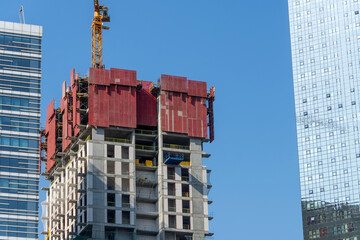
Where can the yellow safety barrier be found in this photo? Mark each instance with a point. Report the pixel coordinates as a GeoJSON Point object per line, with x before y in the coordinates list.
{"type": "Point", "coordinates": [148, 163]}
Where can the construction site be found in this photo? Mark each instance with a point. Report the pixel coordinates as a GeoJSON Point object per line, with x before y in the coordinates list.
{"type": "Point", "coordinates": [124, 157]}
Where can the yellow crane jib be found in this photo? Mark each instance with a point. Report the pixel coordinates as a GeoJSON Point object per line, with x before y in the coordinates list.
{"type": "Point", "coordinates": [100, 16]}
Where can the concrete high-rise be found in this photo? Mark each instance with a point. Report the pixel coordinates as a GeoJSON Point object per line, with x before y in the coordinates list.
{"type": "Point", "coordinates": [125, 158]}
{"type": "Point", "coordinates": [325, 42]}
{"type": "Point", "coordinates": [20, 75]}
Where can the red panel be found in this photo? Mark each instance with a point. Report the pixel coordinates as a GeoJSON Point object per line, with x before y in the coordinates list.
{"type": "Point", "coordinates": [76, 114]}
{"type": "Point", "coordinates": [72, 77]}
{"type": "Point", "coordinates": [174, 112]}
{"type": "Point", "coordinates": [50, 111]}
{"type": "Point", "coordinates": [197, 88]}
{"type": "Point", "coordinates": [66, 126]}
{"type": "Point", "coordinates": [51, 144]}
{"type": "Point", "coordinates": [146, 110]}
{"type": "Point", "coordinates": [122, 110]}
{"type": "Point", "coordinates": [197, 117]}
{"type": "Point", "coordinates": [99, 76]}
{"type": "Point", "coordinates": [123, 77]}
{"type": "Point", "coordinates": [98, 106]}
{"type": "Point", "coordinates": [40, 151]}
{"type": "Point", "coordinates": [174, 83]}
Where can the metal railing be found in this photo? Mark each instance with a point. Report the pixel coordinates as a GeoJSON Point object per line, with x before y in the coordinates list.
{"type": "Point", "coordinates": [145, 132]}
{"type": "Point", "coordinates": [186, 226]}
{"type": "Point", "coordinates": [185, 178]}
{"type": "Point", "coordinates": [125, 205]}
{"type": "Point", "coordinates": [145, 148]}
{"type": "Point", "coordinates": [172, 209]}
{"type": "Point", "coordinates": [186, 194]}
{"type": "Point", "coordinates": [175, 146]}
{"type": "Point", "coordinates": [118, 140]}
{"type": "Point", "coordinates": [186, 210]}
{"type": "Point", "coordinates": [171, 176]}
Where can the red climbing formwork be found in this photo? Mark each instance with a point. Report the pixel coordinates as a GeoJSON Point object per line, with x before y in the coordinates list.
{"type": "Point", "coordinates": [174, 112]}
{"type": "Point", "coordinates": [122, 106]}
{"type": "Point", "coordinates": [146, 109]}
{"type": "Point", "coordinates": [51, 143]}
{"type": "Point", "coordinates": [98, 106]}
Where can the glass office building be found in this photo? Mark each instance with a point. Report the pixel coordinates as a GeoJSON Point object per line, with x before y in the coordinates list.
{"type": "Point", "coordinates": [20, 74]}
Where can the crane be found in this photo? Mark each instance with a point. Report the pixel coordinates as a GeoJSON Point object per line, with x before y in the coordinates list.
{"type": "Point", "coordinates": [100, 16]}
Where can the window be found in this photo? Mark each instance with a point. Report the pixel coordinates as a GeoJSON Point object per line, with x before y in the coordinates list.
{"type": "Point", "coordinates": [186, 222]}
{"type": "Point", "coordinates": [111, 183]}
{"type": "Point", "coordinates": [125, 200]}
{"type": "Point", "coordinates": [171, 173]}
{"type": "Point", "coordinates": [125, 168]}
{"type": "Point", "coordinates": [125, 185]}
{"type": "Point", "coordinates": [125, 217]}
{"type": "Point", "coordinates": [172, 221]}
{"type": "Point", "coordinates": [185, 190]}
{"type": "Point", "coordinates": [186, 206]}
{"type": "Point", "coordinates": [111, 216]}
{"type": "Point", "coordinates": [185, 174]}
{"type": "Point", "coordinates": [110, 167]}
{"type": "Point", "coordinates": [125, 152]}
{"type": "Point", "coordinates": [110, 151]}
{"type": "Point", "coordinates": [340, 105]}
{"type": "Point", "coordinates": [171, 205]}
{"type": "Point", "coordinates": [171, 189]}
{"type": "Point", "coordinates": [111, 199]}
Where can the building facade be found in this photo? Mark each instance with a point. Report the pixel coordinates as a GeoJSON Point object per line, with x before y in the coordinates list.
{"type": "Point", "coordinates": [325, 42]}
{"type": "Point", "coordinates": [20, 75]}
{"type": "Point", "coordinates": [125, 158]}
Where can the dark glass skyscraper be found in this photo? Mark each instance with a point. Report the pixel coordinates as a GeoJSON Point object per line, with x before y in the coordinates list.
{"type": "Point", "coordinates": [20, 75]}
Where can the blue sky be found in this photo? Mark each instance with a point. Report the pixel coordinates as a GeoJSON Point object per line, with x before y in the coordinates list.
{"type": "Point", "coordinates": [241, 47]}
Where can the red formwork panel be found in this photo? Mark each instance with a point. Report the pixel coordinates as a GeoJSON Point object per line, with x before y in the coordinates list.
{"type": "Point", "coordinates": [146, 109]}
{"type": "Point", "coordinates": [99, 76]}
{"type": "Point", "coordinates": [174, 112]}
{"type": "Point", "coordinates": [76, 114]}
{"type": "Point", "coordinates": [72, 77]}
{"type": "Point", "coordinates": [122, 106]}
{"type": "Point", "coordinates": [51, 144]}
{"type": "Point", "coordinates": [123, 77]}
{"type": "Point", "coordinates": [40, 151]}
{"type": "Point", "coordinates": [99, 106]}
{"type": "Point", "coordinates": [66, 125]}
{"type": "Point", "coordinates": [197, 88]}
{"type": "Point", "coordinates": [50, 111]}
{"type": "Point", "coordinates": [174, 83]}
{"type": "Point", "coordinates": [197, 117]}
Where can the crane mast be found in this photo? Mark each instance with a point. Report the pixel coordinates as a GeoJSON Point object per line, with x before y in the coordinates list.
{"type": "Point", "coordinates": [100, 16]}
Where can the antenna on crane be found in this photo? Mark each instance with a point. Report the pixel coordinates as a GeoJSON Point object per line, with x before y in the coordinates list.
{"type": "Point", "coordinates": [100, 16]}
{"type": "Point", "coordinates": [21, 11]}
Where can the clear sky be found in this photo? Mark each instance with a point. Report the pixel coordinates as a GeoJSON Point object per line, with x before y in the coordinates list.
{"type": "Point", "coordinates": [243, 48]}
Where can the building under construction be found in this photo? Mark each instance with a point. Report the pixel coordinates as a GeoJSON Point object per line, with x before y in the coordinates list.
{"type": "Point", "coordinates": [125, 158]}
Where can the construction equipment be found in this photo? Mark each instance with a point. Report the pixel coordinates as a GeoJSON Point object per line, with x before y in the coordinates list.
{"type": "Point", "coordinates": [100, 16]}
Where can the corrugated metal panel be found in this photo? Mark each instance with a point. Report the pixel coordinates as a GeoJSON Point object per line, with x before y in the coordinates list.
{"type": "Point", "coordinates": [197, 117]}
{"type": "Point", "coordinates": [197, 88]}
{"type": "Point", "coordinates": [122, 110]}
{"type": "Point", "coordinates": [51, 144]}
{"type": "Point", "coordinates": [76, 114]}
{"type": "Point", "coordinates": [99, 76]}
{"type": "Point", "coordinates": [146, 110]}
{"type": "Point", "coordinates": [98, 106]}
{"type": "Point", "coordinates": [174, 112]}
{"type": "Point", "coordinates": [174, 83]}
{"type": "Point", "coordinates": [123, 77]}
